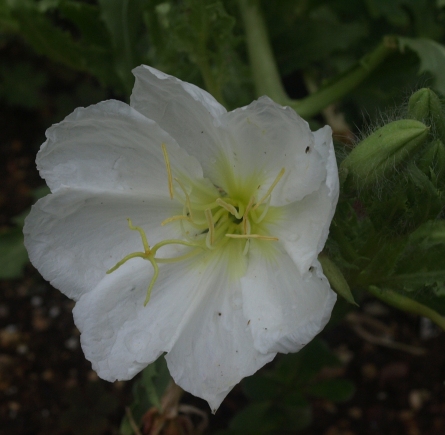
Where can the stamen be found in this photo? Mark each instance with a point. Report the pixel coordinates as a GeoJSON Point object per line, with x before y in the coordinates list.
{"type": "Point", "coordinates": [211, 234]}
{"type": "Point", "coordinates": [175, 218]}
{"type": "Point", "coordinates": [173, 242]}
{"type": "Point", "coordinates": [256, 219]}
{"type": "Point", "coordinates": [230, 208]}
{"type": "Point", "coordinates": [252, 236]}
{"type": "Point", "coordinates": [246, 222]}
{"type": "Point", "coordinates": [169, 171]}
{"type": "Point", "coordinates": [187, 198]}
{"type": "Point", "coordinates": [272, 187]}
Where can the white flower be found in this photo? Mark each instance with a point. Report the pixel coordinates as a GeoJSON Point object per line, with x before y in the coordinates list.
{"type": "Point", "coordinates": [235, 208]}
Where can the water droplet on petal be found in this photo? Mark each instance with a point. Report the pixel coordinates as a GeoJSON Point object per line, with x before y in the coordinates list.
{"type": "Point", "coordinates": [136, 341]}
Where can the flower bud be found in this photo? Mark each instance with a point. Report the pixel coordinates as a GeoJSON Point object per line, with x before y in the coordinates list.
{"type": "Point", "coordinates": [378, 154]}
{"type": "Point", "coordinates": [425, 106]}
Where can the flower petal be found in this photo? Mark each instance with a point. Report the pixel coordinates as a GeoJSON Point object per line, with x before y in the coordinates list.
{"type": "Point", "coordinates": [120, 336]}
{"type": "Point", "coordinates": [266, 137]}
{"type": "Point", "coordinates": [215, 350]}
{"type": "Point", "coordinates": [73, 237]}
{"type": "Point", "coordinates": [285, 310]}
{"type": "Point", "coordinates": [185, 111]}
{"type": "Point", "coordinates": [303, 227]}
{"type": "Point", "coordinates": [324, 145]}
{"type": "Point", "coordinates": [110, 146]}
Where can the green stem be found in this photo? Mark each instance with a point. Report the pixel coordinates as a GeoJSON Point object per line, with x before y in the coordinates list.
{"type": "Point", "coordinates": [346, 82]}
{"type": "Point", "coordinates": [407, 304]}
{"type": "Point", "coordinates": [209, 80]}
{"type": "Point", "coordinates": [267, 78]}
{"type": "Point", "coordinates": [264, 69]}
{"type": "Point", "coordinates": [202, 57]}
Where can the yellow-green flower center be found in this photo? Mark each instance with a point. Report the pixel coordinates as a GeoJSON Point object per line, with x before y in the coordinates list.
{"type": "Point", "coordinates": [211, 219]}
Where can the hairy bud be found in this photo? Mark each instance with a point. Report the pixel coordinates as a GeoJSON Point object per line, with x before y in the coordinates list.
{"type": "Point", "coordinates": [378, 154]}
{"type": "Point", "coordinates": [425, 106]}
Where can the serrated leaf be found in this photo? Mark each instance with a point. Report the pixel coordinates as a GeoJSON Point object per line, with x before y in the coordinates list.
{"type": "Point", "coordinates": [432, 58]}
{"type": "Point", "coordinates": [431, 233]}
{"type": "Point", "coordinates": [47, 39]}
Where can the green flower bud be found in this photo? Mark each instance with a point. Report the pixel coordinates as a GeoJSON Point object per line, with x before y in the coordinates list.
{"type": "Point", "coordinates": [377, 155]}
{"type": "Point", "coordinates": [425, 106]}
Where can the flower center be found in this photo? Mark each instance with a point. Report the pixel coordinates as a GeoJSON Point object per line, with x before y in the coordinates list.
{"type": "Point", "coordinates": [210, 220]}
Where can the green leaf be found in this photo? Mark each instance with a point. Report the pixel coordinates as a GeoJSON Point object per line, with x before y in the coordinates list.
{"type": "Point", "coordinates": [47, 39]}
{"type": "Point", "coordinates": [155, 379]}
{"type": "Point", "coordinates": [86, 18]}
{"type": "Point", "coordinates": [256, 418]}
{"type": "Point", "coordinates": [123, 20]}
{"type": "Point", "coordinates": [261, 387]}
{"type": "Point", "coordinates": [147, 392]}
{"type": "Point", "coordinates": [13, 255]}
{"type": "Point", "coordinates": [304, 365]}
{"type": "Point", "coordinates": [431, 233]}
{"type": "Point", "coordinates": [336, 279]}
{"type": "Point", "coordinates": [432, 58]}
{"type": "Point", "coordinates": [336, 390]}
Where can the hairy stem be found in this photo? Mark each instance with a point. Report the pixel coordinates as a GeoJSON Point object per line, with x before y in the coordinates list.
{"type": "Point", "coordinates": [407, 304]}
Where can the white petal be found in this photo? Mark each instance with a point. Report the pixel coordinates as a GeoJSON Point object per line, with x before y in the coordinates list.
{"type": "Point", "coordinates": [303, 226]}
{"type": "Point", "coordinates": [286, 310]}
{"type": "Point", "coordinates": [110, 146]}
{"type": "Point", "coordinates": [73, 237]}
{"type": "Point", "coordinates": [324, 145]}
{"type": "Point", "coordinates": [215, 349]}
{"type": "Point", "coordinates": [194, 314]}
{"type": "Point", "coordinates": [118, 334]}
{"type": "Point", "coordinates": [185, 111]}
{"type": "Point", "coordinates": [265, 138]}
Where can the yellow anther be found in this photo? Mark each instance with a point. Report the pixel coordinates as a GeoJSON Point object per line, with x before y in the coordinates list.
{"type": "Point", "coordinates": [175, 218]}
{"type": "Point", "coordinates": [252, 236]}
{"type": "Point", "coordinates": [269, 191]}
{"type": "Point", "coordinates": [169, 170]}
